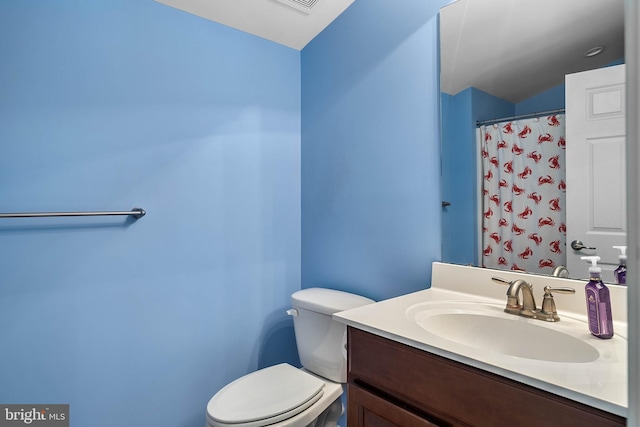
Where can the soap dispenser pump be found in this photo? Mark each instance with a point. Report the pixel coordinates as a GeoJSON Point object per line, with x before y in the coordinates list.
{"type": "Point", "coordinates": [598, 301]}
{"type": "Point", "coordinates": [621, 272]}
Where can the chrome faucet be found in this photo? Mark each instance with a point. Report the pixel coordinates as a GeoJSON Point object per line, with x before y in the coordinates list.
{"type": "Point", "coordinates": [560, 271]}
{"type": "Point", "coordinates": [528, 307]}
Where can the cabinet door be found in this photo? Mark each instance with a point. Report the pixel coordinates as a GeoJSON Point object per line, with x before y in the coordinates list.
{"type": "Point", "coordinates": [368, 410]}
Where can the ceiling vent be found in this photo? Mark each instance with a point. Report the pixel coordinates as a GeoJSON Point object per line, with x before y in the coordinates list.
{"type": "Point", "coordinates": [301, 5]}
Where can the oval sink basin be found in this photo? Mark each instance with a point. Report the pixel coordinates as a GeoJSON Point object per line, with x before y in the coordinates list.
{"type": "Point", "coordinates": [486, 327]}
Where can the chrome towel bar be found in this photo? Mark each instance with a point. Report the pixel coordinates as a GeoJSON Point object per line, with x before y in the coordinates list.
{"type": "Point", "coordinates": [135, 212]}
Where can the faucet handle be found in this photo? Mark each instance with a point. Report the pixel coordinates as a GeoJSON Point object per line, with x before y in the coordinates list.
{"type": "Point", "coordinates": [549, 289]}
{"type": "Point", "coordinates": [548, 311]}
{"type": "Point", "coordinates": [501, 280]}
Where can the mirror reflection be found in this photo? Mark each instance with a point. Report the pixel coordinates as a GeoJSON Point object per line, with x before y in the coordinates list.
{"type": "Point", "coordinates": [517, 185]}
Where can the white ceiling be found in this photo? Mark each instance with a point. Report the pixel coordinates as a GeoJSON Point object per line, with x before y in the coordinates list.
{"type": "Point", "coordinates": [514, 49]}
{"type": "Point", "coordinates": [292, 23]}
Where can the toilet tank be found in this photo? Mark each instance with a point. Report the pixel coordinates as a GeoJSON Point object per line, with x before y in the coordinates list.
{"type": "Point", "coordinates": [322, 341]}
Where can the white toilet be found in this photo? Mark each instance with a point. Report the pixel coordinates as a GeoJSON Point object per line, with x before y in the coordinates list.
{"type": "Point", "coordinates": [285, 396]}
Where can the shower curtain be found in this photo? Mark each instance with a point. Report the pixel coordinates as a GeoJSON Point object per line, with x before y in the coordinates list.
{"type": "Point", "coordinates": [524, 194]}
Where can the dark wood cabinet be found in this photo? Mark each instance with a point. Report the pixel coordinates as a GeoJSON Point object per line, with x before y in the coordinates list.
{"type": "Point", "coordinates": [371, 410]}
{"type": "Point", "coordinates": [392, 384]}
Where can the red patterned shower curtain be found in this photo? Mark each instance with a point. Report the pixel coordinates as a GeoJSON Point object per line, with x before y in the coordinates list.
{"type": "Point", "coordinates": [524, 194]}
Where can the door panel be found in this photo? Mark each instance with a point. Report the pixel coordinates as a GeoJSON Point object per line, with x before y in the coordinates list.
{"type": "Point", "coordinates": [595, 156]}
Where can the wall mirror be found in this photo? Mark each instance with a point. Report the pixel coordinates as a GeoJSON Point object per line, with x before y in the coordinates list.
{"type": "Point", "coordinates": [503, 68]}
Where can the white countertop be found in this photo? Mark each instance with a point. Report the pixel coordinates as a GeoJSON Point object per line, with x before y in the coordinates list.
{"type": "Point", "coordinates": [601, 383]}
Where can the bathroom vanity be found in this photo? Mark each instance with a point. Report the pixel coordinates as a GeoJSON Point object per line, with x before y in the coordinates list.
{"type": "Point", "coordinates": [401, 372]}
{"type": "Point", "coordinates": [392, 384]}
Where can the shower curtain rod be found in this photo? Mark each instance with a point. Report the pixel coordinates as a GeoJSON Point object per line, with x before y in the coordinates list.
{"type": "Point", "coordinates": [521, 116]}
{"type": "Point", "coordinates": [135, 212]}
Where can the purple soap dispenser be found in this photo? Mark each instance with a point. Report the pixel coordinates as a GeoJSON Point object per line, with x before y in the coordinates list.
{"type": "Point", "coordinates": [621, 272]}
{"type": "Point", "coordinates": [598, 301]}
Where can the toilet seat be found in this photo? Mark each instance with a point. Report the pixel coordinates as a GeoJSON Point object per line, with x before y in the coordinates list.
{"type": "Point", "coordinates": [265, 397]}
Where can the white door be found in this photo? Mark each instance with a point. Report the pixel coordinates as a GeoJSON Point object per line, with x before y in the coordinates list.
{"type": "Point", "coordinates": [595, 156]}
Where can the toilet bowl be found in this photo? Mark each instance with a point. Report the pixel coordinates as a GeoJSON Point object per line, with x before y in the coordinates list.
{"type": "Point", "coordinates": [283, 395]}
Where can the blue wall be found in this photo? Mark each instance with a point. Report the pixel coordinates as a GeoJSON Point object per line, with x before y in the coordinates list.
{"type": "Point", "coordinates": [370, 150]}
{"type": "Point", "coordinates": [458, 165]}
{"type": "Point", "coordinates": [111, 104]}
{"type": "Point", "coordinates": [552, 99]}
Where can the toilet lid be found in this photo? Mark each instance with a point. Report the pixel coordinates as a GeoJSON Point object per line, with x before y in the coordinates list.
{"type": "Point", "coordinates": [275, 393]}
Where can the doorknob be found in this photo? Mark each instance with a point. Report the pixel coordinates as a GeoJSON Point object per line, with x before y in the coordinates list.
{"type": "Point", "coordinates": [577, 245]}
